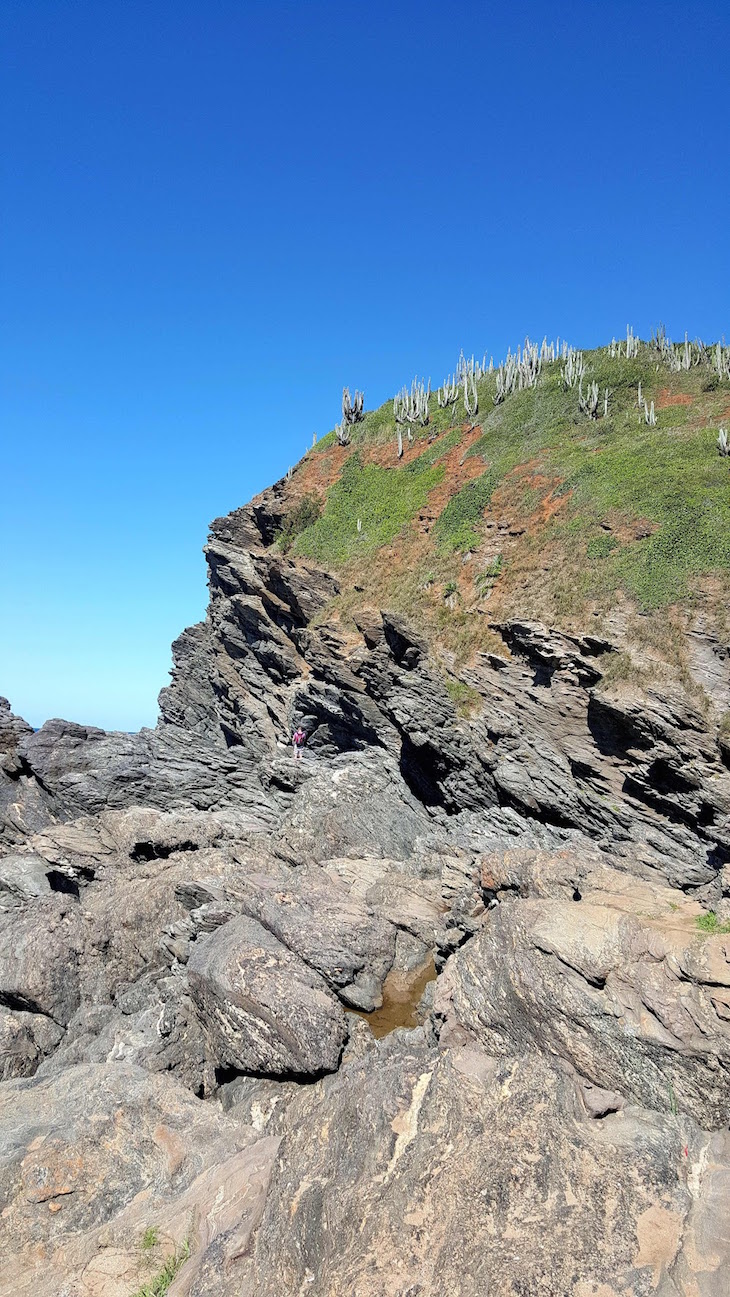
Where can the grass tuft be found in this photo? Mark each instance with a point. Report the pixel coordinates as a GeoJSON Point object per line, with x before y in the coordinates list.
{"type": "Point", "coordinates": [710, 923]}
{"type": "Point", "coordinates": [160, 1283]}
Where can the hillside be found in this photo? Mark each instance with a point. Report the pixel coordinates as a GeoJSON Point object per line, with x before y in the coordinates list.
{"type": "Point", "coordinates": [530, 507]}
{"type": "Point", "coordinates": [443, 1007]}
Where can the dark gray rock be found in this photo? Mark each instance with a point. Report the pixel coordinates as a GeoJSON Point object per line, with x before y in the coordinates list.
{"type": "Point", "coordinates": [334, 933]}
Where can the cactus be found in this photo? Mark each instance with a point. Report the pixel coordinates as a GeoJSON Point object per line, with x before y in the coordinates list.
{"type": "Point", "coordinates": [352, 411]}
{"type": "Point", "coordinates": [471, 398]}
{"type": "Point", "coordinates": [723, 443]}
{"type": "Point", "coordinates": [588, 401]}
{"type": "Point", "coordinates": [314, 439]}
{"type": "Point", "coordinates": [632, 344]}
{"type": "Point", "coordinates": [605, 404]}
{"type": "Point", "coordinates": [412, 407]}
{"type": "Point", "coordinates": [448, 394]}
{"type": "Point", "coordinates": [342, 434]}
{"type": "Point", "coordinates": [400, 444]}
{"type": "Point", "coordinates": [359, 526]}
{"type": "Point", "coordinates": [289, 473]}
{"type": "Point", "coordinates": [640, 399]}
{"type": "Point", "coordinates": [721, 361]}
{"type": "Point", "coordinates": [650, 415]}
{"type": "Point", "coordinates": [574, 368]}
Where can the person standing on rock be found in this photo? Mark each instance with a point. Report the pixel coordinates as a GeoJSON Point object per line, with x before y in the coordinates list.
{"type": "Point", "coordinates": [298, 739]}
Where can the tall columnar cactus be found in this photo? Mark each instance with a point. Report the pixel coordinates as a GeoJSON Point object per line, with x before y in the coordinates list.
{"type": "Point", "coordinates": [721, 361]}
{"type": "Point", "coordinates": [588, 401]}
{"type": "Point", "coordinates": [352, 411]}
{"type": "Point", "coordinates": [342, 434]}
{"type": "Point", "coordinates": [400, 444]}
{"type": "Point", "coordinates": [573, 369]}
{"type": "Point", "coordinates": [448, 394]}
{"type": "Point", "coordinates": [723, 443]}
{"type": "Point", "coordinates": [650, 415]}
{"type": "Point", "coordinates": [632, 344]}
{"type": "Point", "coordinates": [471, 397]}
{"type": "Point", "coordinates": [412, 407]}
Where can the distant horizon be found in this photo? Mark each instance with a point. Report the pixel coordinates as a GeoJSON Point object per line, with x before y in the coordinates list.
{"type": "Point", "coordinates": [220, 215]}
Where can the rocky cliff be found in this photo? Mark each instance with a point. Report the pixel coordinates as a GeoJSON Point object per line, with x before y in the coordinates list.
{"type": "Point", "coordinates": [442, 1008]}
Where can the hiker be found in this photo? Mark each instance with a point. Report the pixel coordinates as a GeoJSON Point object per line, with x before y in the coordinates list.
{"type": "Point", "coordinates": [298, 739]}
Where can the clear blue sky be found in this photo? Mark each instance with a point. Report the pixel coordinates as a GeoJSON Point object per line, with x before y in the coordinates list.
{"type": "Point", "coordinates": [216, 213]}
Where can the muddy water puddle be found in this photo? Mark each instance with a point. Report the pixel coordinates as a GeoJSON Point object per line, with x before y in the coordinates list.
{"type": "Point", "coordinates": [401, 996]}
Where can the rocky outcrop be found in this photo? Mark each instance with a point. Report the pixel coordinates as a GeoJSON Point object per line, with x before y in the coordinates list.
{"type": "Point", "coordinates": [107, 1172]}
{"type": "Point", "coordinates": [620, 983]}
{"type": "Point", "coordinates": [419, 1171]}
{"type": "Point", "coordinates": [190, 921]}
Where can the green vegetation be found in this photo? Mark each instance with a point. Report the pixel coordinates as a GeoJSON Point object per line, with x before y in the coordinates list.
{"type": "Point", "coordinates": [456, 529]}
{"type": "Point", "coordinates": [383, 500]}
{"type": "Point", "coordinates": [150, 1238]}
{"type": "Point", "coordinates": [160, 1283]}
{"type": "Point", "coordinates": [601, 546]}
{"type": "Point", "coordinates": [587, 510]}
{"type": "Point", "coordinates": [303, 515]}
{"type": "Point", "coordinates": [710, 923]}
{"type": "Point", "coordinates": [466, 700]}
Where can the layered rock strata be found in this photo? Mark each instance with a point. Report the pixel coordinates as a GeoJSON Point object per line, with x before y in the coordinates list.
{"type": "Point", "coordinates": [188, 920]}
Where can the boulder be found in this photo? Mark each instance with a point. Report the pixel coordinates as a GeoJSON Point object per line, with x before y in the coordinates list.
{"type": "Point", "coordinates": [263, 1010]}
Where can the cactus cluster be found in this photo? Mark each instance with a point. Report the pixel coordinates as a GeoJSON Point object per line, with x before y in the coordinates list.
{"type": "Point", "coordinates": [720, 360]}
{"type": "Point", "coordinates": [649, 414]}
{"type": "Point", "coordinates": [412, 407]}
{"type": "Point", "coordinates": [448, 394]}
{"type": "Point", "coordinates": [588, 401]}
{"type": "Point", "coordinates": [629, 349]}
{"type": "Point", "coordinates": [342, 434]}
{"type": "Point", "coordinates": [471, 397]}
{"type": "Point", "coordinates": [573, 369]}
{"type": "Point", "coordinates": [352, 411]}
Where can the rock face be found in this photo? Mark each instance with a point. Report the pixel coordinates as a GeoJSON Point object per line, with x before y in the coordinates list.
{"type": "Point", "coordinates": [262, 1008]}
{"type": "Point", "coordinates": [188, 918]}
{"type": "Point", "coordinates": [619, 982]}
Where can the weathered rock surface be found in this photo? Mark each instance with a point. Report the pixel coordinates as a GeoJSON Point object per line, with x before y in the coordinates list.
{"type": "Point", "coordinates": [412, 1171]}
{"type": "Point", "coordinates": [97, 1156]}
{"type": "Point", "coordinates": [261, 1007]}
{"type": "Point", "coordinates": [613, 976]}
{"type": "Point", "coordinates": [185, 911]}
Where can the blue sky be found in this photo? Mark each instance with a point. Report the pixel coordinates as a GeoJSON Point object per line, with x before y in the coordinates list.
{"type": "Point", "coordinates": [216, 214]}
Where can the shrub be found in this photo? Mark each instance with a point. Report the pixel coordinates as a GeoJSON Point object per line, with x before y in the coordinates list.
{"type": "Point", "coordinates": [456, 526]}
{"type": "Point", "coordinates": [304, 513]}
{"type": "Point", "coordinates": [384, 499]}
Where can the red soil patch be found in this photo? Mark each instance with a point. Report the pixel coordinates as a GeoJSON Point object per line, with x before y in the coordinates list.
{"type": "Point", "coordinates": [508, 499]}
{"type": "Point", "coordinates": [666, 398]}
{"type": "Point", "coordinates": [318, 472]}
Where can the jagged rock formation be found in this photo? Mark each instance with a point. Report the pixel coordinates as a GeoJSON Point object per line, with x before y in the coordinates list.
{"type": "Point", "coordinates": [187, 917]}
